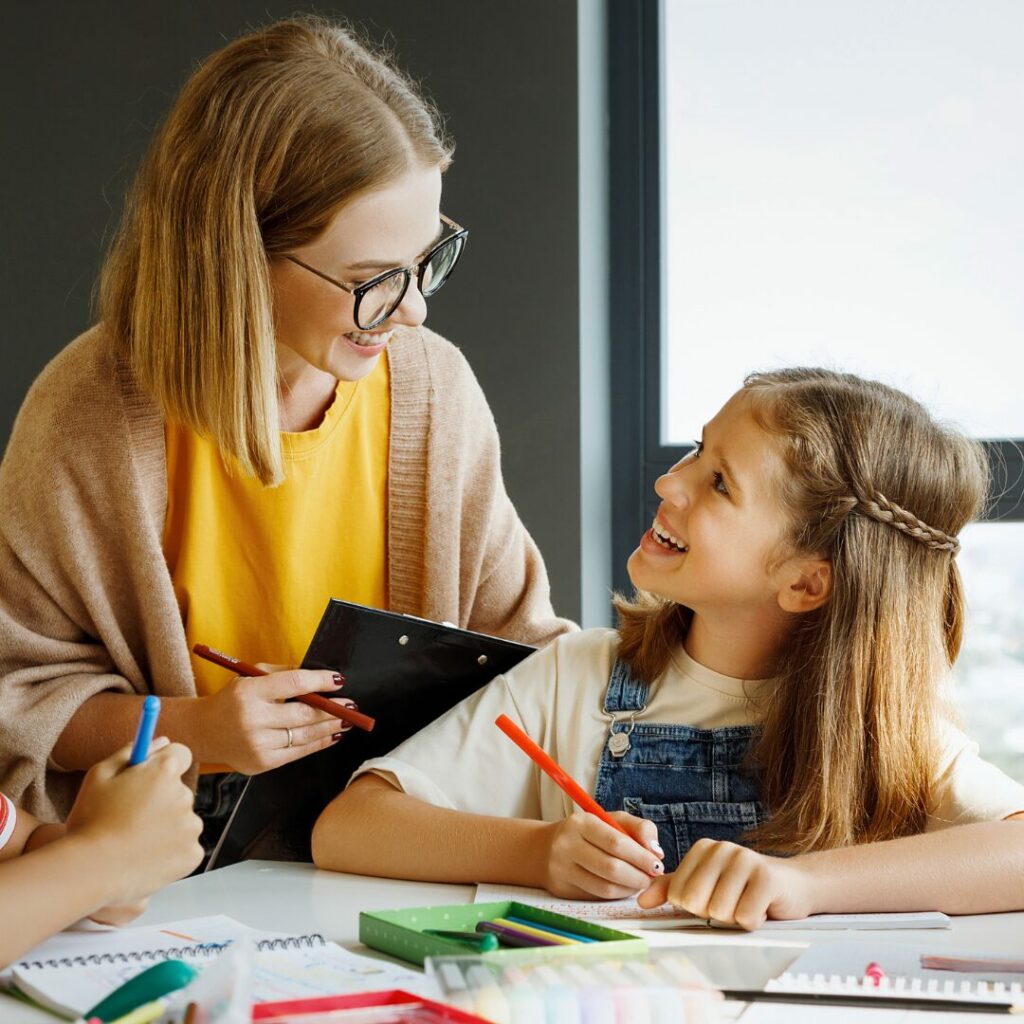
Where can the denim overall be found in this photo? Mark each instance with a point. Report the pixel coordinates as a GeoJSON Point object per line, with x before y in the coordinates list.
{"type": "Point", "coordinates": [690, 782]}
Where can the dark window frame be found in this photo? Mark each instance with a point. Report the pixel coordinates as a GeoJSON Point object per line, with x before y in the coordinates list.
{"type": "Point", "coordinates": [636, 186]}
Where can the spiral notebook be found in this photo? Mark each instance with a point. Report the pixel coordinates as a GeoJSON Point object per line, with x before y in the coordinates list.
{"type": "Point", "coordinates": [838, 969]}
{"type": "Point", "coordinates": [73, 972]}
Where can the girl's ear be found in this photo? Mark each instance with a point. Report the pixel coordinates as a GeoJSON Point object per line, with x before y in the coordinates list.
{"type": "Point", "coordinates": [806, 584]}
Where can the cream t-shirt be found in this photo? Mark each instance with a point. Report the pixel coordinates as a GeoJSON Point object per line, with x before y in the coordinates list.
{"type": "Point", "coordinates": [462, 761]}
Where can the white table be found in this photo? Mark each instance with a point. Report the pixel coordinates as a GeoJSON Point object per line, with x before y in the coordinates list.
{"type": "Point", "coordinates": [297, 898]}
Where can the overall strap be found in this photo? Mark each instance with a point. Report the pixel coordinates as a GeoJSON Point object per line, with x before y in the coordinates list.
{"type": "Point", "coordinates": [624, 693]}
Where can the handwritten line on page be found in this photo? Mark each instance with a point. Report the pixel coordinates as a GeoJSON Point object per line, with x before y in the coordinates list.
{"type": "Point", "coordinates": [629, 909]}
{"type": "Point", "coordinates": [604, 910]}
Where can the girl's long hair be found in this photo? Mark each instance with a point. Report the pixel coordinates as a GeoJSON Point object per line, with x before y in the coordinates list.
{"type": "Point", "coordinates": [267, 140]}
{"type": "Point", "coordinates": [847, 746]}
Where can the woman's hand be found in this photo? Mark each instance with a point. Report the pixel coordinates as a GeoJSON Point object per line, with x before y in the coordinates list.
{"type": "Point", "coordinates": [139, 823]}
{"type": "Point", "coordinates": [588, 859]}
{"type": "Point", "coordinates": [734, 885]}
{"type": "Point", "coordinates": [247, 726]}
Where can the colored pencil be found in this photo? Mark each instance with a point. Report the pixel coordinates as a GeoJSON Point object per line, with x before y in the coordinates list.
{"type": "Point", "coordinates": [314, 700]}
{"type": "Point", "coordinates": [549, 928]}
{"type": "Point", "coordinates": [558, 940]}
{"type": "Point", "coordinates": [513, 936]}
{"type": "Point", "coordinates": [555, 772]}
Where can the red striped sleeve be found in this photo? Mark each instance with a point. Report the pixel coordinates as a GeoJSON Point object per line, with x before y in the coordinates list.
{"type": "Point", "coordinates": [8, 819]}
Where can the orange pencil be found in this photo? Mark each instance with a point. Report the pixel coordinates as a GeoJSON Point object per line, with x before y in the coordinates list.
{"type": "Point", "coordinates": [314, 700]}
{"type": "Point", "coordinates": [558, 775]}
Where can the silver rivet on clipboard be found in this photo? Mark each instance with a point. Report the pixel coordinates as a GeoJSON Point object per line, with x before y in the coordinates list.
{"type": "Point", "coordinates": [403, 640]}
{"type": "Point", "coordinates": [482, 660]}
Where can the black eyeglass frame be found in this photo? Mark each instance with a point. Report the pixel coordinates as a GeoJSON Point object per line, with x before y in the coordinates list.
{"type": "Point", "coordinates": [457, 235]}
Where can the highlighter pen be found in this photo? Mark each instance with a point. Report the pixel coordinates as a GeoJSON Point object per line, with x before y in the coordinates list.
{"type": "Point", "coordinates": [482, 942]}
{"type": "Point", "coordinates": [144, 732]}
{"type": "Point", "coordinates": [145, 1014]}
{"type": "Point", "coordinates": [314, 700]}
{"type": "Point", "coordinates": [556, 773]}
{"type": "Point", "coordinates": [145, 989]}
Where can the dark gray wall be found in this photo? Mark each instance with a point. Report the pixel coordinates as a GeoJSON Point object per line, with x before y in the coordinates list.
{"type": "Point", "coordinates": [84, 84]}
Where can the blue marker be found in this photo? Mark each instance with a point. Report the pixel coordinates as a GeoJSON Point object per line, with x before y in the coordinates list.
{"type": "Point", "coordinates": [144, 733]}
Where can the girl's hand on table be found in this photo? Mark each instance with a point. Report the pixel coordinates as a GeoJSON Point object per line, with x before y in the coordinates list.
{"type": "Point", "coordinates": [248, 726]}
{"type": "Point", "coordinates": [734, 885]}
{"type": "Point", "coordinates": [588, 859]}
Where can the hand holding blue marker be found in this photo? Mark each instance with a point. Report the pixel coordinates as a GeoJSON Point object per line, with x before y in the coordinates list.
{"type": "Point", "coordinates": [144, 733]}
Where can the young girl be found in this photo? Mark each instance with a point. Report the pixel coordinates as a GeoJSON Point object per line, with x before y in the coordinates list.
{"type": "Point", "coordinates": [774, 689]}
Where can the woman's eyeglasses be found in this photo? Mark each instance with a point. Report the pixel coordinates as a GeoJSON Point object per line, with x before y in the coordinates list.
{"type": "Point", "coordinates": [378, 298]}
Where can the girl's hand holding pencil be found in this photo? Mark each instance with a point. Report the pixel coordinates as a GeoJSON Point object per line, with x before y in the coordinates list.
{"type": "Point", "coordinates": [589, 859]}
{"type": "Point", "coordinates": [593, 853]}
{"type": "Point", "coordinates": [139, 820]}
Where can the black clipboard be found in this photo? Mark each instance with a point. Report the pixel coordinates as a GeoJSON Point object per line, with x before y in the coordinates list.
{"type": "Point", "coordinates": [404, 672]}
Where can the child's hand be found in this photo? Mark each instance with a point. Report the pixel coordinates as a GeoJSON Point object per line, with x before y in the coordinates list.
{"type": "Point", "coordinates": [734, 885]}
{"type": "Point", "coordinates": [140, 820]}
{"type": "Point", "coordinates": [119, 914]}
{"type": "Point", "coordinates": [587, 859]}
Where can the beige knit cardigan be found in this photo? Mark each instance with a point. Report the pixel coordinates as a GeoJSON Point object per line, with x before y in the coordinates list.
{"type": "Point", "coordinates": [86, 602]}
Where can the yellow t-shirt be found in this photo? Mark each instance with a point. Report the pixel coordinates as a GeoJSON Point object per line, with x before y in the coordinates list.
{"type": "Point", "coordinates": [253, 566]}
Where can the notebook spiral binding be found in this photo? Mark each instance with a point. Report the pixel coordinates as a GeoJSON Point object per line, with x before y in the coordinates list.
{"type": "Point", "coordinates": [203, 951]}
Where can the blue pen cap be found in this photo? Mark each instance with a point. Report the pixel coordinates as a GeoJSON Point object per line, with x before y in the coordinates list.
{"type": "Point", "coordinates": [144, 733]}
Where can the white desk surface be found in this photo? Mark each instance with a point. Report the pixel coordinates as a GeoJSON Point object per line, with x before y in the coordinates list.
{"type": "Point", "coordinates": [298, 898]}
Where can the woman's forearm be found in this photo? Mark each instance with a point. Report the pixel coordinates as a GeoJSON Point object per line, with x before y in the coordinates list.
{"type": "Point", "coordinates": [374, 829]}
{"type": "Point", "coordinates": [107, 721]}
{"type": "Point", "coordinates": [969, 869]}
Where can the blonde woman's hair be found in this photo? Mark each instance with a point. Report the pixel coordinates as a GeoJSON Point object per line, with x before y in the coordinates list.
{"type": "Point", "coordinates": [847, 748]}
{"type": "Point", "coordinates": [269, 137]}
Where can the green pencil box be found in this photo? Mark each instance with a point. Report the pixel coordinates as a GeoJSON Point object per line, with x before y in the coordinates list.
{"type": "Point", "coordinates": [400, 932]}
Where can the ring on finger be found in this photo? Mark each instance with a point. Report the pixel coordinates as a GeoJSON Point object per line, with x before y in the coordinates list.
{"type": "Point", "coordinates": [290, 740]}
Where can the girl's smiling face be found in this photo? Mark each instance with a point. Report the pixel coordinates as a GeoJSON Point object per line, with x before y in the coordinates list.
{"type": "Point", "coordinates": [718, 538]}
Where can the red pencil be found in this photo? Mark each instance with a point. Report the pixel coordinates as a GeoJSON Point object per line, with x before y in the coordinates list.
{"type": "Point", "coordinates": [314, 700]}
{"type": "Point", "coordinates": [557, 774]}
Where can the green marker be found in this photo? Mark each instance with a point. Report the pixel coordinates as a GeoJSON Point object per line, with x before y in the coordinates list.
{"type": "Point", "coordinates": [482, 942]}
{"type": "Point", "coordinates": [153, 983]}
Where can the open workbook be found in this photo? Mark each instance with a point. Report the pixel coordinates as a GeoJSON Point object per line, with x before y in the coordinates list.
{"type": "Point", "coordinates": [667, 915]}
{"type": "Point", "coordinates": [74, 971]}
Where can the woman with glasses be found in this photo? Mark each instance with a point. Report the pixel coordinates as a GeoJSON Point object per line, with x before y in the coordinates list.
{"type": "Point", "coordinates": [258, 422]}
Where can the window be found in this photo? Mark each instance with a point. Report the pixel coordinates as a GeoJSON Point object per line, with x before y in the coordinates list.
{"type": "Point", "coordinates": [840, 185]}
